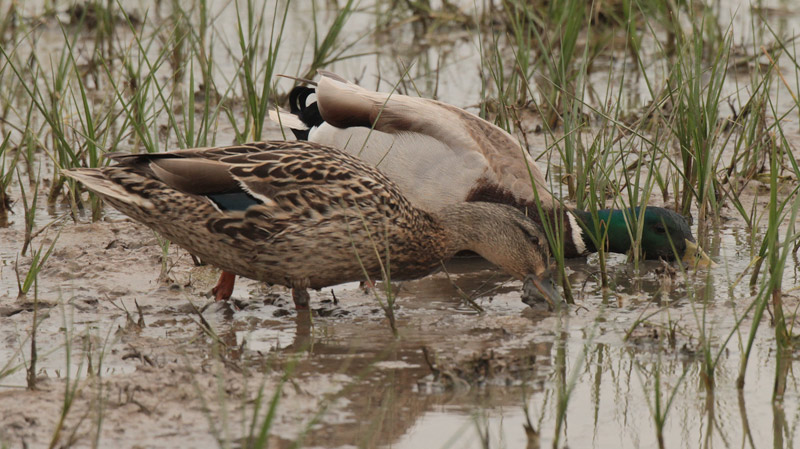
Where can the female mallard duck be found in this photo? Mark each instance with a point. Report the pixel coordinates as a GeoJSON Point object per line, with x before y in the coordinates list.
{"type": "Point", "coordinates": [441, 155]}
{"type": "Point", "coordinates": [304, 215]}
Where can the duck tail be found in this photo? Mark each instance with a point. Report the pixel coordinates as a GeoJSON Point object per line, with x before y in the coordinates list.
{"type": "Point", "coordinates": [95, 179]}
{"type": "Point", "coordinates": [301, 118]}
{"type": "Point", "coordinates": [307, 113]}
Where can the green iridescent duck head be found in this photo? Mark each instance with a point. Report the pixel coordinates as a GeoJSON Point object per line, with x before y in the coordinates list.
{"type": "Point", "coordinates": [665, 233]}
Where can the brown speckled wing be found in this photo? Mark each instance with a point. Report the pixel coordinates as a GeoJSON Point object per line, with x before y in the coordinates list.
{"type": "Point", "coordinates": [306, 179]}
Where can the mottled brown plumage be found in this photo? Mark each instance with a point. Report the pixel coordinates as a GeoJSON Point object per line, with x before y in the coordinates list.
{"type": "Point", "coordinates": [304, 215]}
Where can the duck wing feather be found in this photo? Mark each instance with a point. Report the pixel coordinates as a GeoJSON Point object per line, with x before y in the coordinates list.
{"type": "Point", "coordinates": [507, 167]}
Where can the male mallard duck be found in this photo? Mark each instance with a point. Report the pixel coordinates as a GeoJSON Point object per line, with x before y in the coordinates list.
{"type": "Point", "coordinates": [440, 155]}
{"type": "Point", "coordinates": [304, 215]}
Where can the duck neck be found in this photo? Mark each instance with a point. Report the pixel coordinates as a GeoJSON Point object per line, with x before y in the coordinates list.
{"type": "Point", "coordinates": [618, 239]}
{"type": "Point", "coordinates": [576, 240]}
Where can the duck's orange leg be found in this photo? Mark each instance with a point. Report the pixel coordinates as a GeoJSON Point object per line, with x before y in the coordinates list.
{"type": "Point", "coordinates": [224, 288]}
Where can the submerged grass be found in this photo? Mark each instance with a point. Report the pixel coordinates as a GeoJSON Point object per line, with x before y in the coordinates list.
{"type": "Point", "coordinates": [260, 431]}
{"type": "Point", "coordinates": [660, 405]}
{"type": "Point", "coordinates": [72, 386]}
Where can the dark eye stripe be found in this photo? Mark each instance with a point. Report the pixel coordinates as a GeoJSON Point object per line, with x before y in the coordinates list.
{"type": "Point", "coordinates": [532, 237]}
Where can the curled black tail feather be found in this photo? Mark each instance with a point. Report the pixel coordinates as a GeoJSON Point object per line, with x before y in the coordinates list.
{"type": "Point", "coordinates": [308, 114]}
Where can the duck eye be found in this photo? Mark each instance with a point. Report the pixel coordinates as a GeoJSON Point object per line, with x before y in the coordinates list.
{"type": "Point", "coordinates": [660, 228]}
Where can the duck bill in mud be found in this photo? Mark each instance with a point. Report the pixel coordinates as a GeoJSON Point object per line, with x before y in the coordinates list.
{"type": "Point", "coordinates": [539, 292]}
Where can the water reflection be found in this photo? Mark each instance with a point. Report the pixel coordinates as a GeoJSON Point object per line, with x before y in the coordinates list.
{"type": "Point", "coordinates": [529, 386]}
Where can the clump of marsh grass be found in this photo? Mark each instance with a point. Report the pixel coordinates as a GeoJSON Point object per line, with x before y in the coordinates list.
{"type": "Point", "coordinates": [100, 19]}
{"type": "Point", "coordinates": [186, 128]}
{"type": "Point", "coordinates": [695, 90]}
{"type": "Point", "coordinates": [328, 50]}
{"type": "Point", "coordinates": [782, 210]}
{"type": "Point", "coordinates": [510, 85]}
{"type": "Point", "coordinates": [38, 260]}
{"type": "Point", "coordinates": [55, 96]}
{"type": "Point", "coordinates": [593, 165]}
{"type": "Point", "coordinates": [557, 54]}
{"type": "Point", "coordinates": [7, 168]}
{"type": "Point", "coordinates": [141, 96]}
{"type": "Point", "coordinates": [255, 76]}
{"type": "Point", "coordinates": [49, 106]}
{"type": "Point", "coordinates": [776, 254]}
{"type": "Point", "coordinates": [30, 210]}
{"type": "Point", "coordinates": [202, 49]}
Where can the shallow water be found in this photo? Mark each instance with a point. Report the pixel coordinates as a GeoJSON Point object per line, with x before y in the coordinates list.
{"type": "Point", "coordinates": [172, 382]}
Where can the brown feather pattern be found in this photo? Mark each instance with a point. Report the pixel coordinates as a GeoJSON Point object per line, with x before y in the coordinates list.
{"type": "Point", "coordinates": [317, 215]}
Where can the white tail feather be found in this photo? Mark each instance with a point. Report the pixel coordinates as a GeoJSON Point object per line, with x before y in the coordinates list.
{"type": "Point", "coordinates": [287, 119]}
